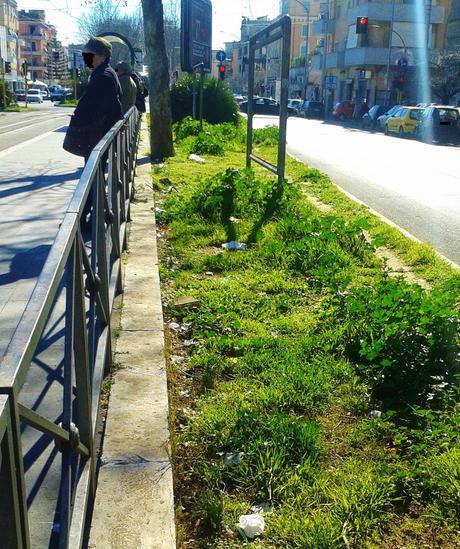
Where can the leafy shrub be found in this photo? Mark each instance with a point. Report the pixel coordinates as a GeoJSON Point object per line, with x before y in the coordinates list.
{"type": "Point", "coordinates": [406, 342]}
{"type": "Point", "coordinates": [10, 97]}
{"type": "Point", "coordinates": [266, 136]}
{"type": "Point", "coordinates": [218, 103]}
{"type": "Point", "coordinates": [205, 143]}
{"type": "Point", "coordinates": [188, 127]}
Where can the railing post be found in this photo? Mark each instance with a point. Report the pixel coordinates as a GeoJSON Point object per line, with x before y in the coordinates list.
{"type": "Point", "coordinates": [11, 529]}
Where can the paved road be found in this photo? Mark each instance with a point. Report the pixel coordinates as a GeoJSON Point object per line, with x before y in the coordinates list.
{"type": "Point", "coordinates": [415, 185]}
{"type": "Point", "coordinates": [37, 179]}
{"type": "Point", "coordinates": [15, 128]}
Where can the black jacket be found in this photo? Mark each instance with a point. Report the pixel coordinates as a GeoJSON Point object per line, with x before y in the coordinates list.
{"type": "Point", "coordinates": [100, 104]}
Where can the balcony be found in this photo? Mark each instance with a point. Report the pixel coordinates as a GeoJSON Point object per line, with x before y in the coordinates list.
{"type": "Point", "coordinates": [316, 62]}
{"type": "Point", "coordinates": [366, 56]}
{"type": "Point", "coordinates": [335, 60]}
{"type": "Point", "coordinates": [33, 53]}
{"type": "Point", "coordinates": [382, 12]}
{"type": "Point", "coordinates": [323, 26]}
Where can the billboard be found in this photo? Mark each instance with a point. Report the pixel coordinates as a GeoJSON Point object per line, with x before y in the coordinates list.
{"type": "Point", "coordinates": [196, 34]}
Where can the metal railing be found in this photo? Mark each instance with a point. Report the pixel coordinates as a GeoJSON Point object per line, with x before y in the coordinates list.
{"type": "Point", "coordinates": [80, 278]}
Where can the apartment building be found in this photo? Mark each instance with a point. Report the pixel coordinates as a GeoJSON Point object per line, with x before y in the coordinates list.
{"type": "Point", "coordinates": [453, 26]}
{"type": "Point", "coordinates": [9, 39]}
{"type": "Point", "coordinates": [303, 14]}
{"type": "Point", "coordinates": [383, 65]}
{"type": "Point", "coordinates": [57, 62]}
{"type": "Point", "coordinates": [35, 34]}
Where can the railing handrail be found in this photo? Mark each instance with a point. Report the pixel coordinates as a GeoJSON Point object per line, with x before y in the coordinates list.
{"type": "Point", "coordinates": [83, 276]}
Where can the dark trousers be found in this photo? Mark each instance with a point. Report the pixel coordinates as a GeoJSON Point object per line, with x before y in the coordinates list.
{"type": "Point", "coordinates": [85, 222]}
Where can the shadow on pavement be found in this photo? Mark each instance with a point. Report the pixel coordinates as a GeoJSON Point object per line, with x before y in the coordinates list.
{"type": "Point", "coordinates": [26, 264]}
{"type": "Point", "coordinates": [42, 181]}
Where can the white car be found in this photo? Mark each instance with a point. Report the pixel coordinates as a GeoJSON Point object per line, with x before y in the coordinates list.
{"type": "Point", "coordinates": [34, 96]}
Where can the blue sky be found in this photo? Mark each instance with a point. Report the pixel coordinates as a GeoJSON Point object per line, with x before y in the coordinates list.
{"type": "Point", "coordinates": [226, 19]}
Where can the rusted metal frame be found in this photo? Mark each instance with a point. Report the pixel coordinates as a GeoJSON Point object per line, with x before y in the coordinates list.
{"type": "Point", "coordinates": [279, 30]}
{"type": "Point", "coordinates": [11, 530]}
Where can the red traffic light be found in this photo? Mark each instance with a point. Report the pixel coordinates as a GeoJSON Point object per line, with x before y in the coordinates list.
{"type": "Point", "coordinates": [361, 25]}
{"type": "Point", "coordinates": [221, 72]}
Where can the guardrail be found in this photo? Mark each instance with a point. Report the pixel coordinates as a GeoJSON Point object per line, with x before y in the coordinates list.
{"type": "Point", "coordinates": [81, 277]}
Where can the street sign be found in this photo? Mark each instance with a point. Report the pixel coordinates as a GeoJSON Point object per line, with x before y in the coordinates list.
{"type": "Point", "coordinates": [402, 63]}
{"type": "Point", "coordinates": [330, 82]}
{"type": "Point", "coordinates": [196, 34]}
{"type": "Point", "coordinates": [221, 56]}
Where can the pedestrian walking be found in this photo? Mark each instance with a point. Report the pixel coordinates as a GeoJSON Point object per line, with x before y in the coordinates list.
{"type": "Point", "coordinates": [128, 86]}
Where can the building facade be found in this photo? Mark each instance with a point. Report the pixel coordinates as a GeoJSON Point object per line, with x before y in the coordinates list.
{"type": "Point", "coordinates": [9, 39]}
{"type": "Point", "coordinates": [57, 62]}
{"type": "Point", "coordinates": [35, 34]}
{"type": "Point", "coordinates": [303, 13]}
{"type": "Point", "coordinates": [383, 65]}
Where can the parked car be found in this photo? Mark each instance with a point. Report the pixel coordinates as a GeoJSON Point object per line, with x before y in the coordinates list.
{"type": "Point", "coordinates": [60, 94]}
{"type": "Point", "coordinates": [264, 105]}
{"type": "Point", "coordinates": [382, 119]}
{"type": "Point", "coordinates": [343, 110]}
{"type": "Point", "coordinates": [311, 109]}
{"type": "Point", "coordinates": [294, 105]}
{"type": "Point", "coordinates": [369, 119]}
{"type": "Point", "coordinates": [404, 121]}
{"type": "Point", "coordinates": [439, 123]}
{"type": "Point", "coordinates": [20, 94]}
{"type": "Point", "coordinates": [34, 96]}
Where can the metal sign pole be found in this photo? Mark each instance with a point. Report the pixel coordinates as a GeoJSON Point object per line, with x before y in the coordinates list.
{"type": "Point", "coordinates": [201, 95]}
{"type": "Point", "coordinates": [194, 95]}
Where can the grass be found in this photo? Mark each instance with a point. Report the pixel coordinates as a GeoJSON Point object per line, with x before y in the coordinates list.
{"type": "Point", "coordinates": [69, 103]}
{"type": "Point", "coordinates": [14, 108]}
{"type": "Point", "coordinates": [305, 379]}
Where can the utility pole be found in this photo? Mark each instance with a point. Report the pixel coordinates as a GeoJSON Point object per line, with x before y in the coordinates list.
{"type": "Point", "coordinates": [26, 84]}
{"type": "Point", "coordinates": [390, 38]}
{"type": "Point", "coordinates": [2, 65]}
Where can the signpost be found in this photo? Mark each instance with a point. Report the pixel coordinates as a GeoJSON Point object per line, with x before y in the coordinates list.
{"type": "Point", "coordinates": [196, 34]}
{"type": "Point", "coordinates": [221, 56]}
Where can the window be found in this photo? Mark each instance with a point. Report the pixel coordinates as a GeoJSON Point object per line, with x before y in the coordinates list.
{"type": "Point", "coordinates": [304, 30]}
{"type": "Point", "coordinates": [303, 50]}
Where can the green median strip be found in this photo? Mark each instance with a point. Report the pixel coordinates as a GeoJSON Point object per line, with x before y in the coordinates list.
{"type": "Point", "coordinates": [309, 389]}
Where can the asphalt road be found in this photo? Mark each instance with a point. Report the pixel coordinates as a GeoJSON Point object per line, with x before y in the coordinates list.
{"type": "Point", "coordinates": [17, 127]}
{"type": "Point", "coordinates": [413, 184]}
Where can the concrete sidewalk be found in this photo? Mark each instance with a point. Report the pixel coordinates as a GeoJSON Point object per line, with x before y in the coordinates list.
{"type": "Point", "coordinates": [134, 507]}
{"type": "Point", "coordinates": [37, 179]}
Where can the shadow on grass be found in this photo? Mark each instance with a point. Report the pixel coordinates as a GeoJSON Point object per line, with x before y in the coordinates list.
{"type": "Point", "coordinates": [271, 207]}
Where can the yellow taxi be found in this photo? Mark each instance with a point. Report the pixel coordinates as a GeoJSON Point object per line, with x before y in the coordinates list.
{"type": "Point", "coordinates": [404, 121]}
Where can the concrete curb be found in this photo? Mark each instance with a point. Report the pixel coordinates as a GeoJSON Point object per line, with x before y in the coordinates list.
{"type": "Point", "coordinates": [134, 506]}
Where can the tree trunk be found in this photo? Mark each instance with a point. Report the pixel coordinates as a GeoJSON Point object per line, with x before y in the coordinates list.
{"type": "Point", "coordinates": [161, 142]}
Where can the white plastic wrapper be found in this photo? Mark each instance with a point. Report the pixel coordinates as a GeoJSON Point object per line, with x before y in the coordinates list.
{"type": "Point", "coordinates": [234, 245]}
{"type": "Point", "coordinates": [251, 525]}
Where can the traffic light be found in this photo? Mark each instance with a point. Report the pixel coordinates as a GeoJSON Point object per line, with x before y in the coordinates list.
{"type": "Point", "coordinates": [222, 72]}
{"type": "Point", "coordinates": [7, 67]}
{"type": "Point", "coordinates": [361, 25]}
{"type": "Point", "coordinates": [24, 68]}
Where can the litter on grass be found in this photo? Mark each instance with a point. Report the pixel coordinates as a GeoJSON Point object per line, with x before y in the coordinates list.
{"type": "Point", "coordinates": [251, 526]}
{"type": "Point", "coordinates": [234, 245]}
